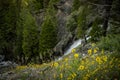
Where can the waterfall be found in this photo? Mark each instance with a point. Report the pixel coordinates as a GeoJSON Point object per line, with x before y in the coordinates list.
{"type": "Point", "coordinates": [74, 45]}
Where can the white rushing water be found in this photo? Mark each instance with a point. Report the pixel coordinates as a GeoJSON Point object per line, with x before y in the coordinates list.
{"type": "Point", "coordinates": [74, 45]}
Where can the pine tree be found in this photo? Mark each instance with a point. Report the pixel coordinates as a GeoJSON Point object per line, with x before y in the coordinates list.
{"type": "Point", "coordinates": [8, 24]}
{"type": "Point", "coordinates": [30, 37]}
{"type": "Point", "coordinates": [48, 36]}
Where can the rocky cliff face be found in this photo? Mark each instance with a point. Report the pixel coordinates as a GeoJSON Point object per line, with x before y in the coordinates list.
{"type": "Point", "coordinates": [65, 37]}
{"type": "Point", "coordinates": [63, 11]}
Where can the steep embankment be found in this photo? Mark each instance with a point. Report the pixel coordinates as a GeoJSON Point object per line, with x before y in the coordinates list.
{"type": "Point", "coordinates": [96, 64]}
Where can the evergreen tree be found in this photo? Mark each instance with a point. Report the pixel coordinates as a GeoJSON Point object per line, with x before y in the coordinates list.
{"type": "Point", "coordinates": [30, 37]}
{"type": "Point", "coordinates": [48, 36]}
{"type": "Point", "coordinates": [8, 24]}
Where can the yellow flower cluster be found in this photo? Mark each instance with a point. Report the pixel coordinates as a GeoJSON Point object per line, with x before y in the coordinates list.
{"type": "Point", "coordinates": [73, 50]}
{"type": "Point", "coordinates": [101, 59]}
{"type": "Point", "coordinates": [81, 67]}
{"type": "Point", "coordinates": [95, 50]}
{"type": "Point", "coordinates": [104, 58]}
{"type": "Point", "coordinates": [61, 75]}
{"type": "Point", "coordinates": [98, 59]}
{"type": "Point", "coordinates": [74, 75]}
{"type": "Point", "coordinates": [90, 51]}
{"type": "Point", "coordinates": [55, 64]}
{"type": "Point", "coordinates": [76, 55]}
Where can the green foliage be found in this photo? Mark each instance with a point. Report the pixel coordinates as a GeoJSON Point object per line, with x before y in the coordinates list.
{"type": "Point", "coordinates": [96, 31]}
{"type": "Point", "coordinates": [35, 5]}
{"type": "Point", "coordinates": [48, 35]}
{"type": "Point", "coordinates": [51, 10]}
{"type": "Point", "coordinates": [7, 27]}
{"type": "Point", "coordinates": [111, 43]}
{"type": "Point", "coordinates": [76, 4]}
{"type": "Point", "coordinates": [30, 35]}
{"type": "Point", "coordinates": [82, 22]}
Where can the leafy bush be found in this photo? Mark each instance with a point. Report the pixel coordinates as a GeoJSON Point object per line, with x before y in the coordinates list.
{"type": "Point", "coordinates": [111, 43]}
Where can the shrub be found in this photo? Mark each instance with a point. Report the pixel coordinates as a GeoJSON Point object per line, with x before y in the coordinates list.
{"type": "Point", "coordinates": [111, 42]}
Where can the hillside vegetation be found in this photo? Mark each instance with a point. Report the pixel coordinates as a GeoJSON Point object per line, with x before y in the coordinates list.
{"type": "Point", "coordinates": [35, 33]}
{"type": "Point", "coordinates": [95, 65]}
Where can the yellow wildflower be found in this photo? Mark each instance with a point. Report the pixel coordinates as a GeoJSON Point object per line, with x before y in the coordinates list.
{"type": "Point", "coordinates": [95, 50]}
{"type": "Point", "coordinates": [74, 75]}
{"type": "Point", "coordinates": [81, 67]}
{"type": "Point", "coordinates": [104, 58]}
{"type": "Point", "coordinates": [61, 75]}
{"type": "Point", "coordinates": [90, 51]}
{"type": "Point", "coordinates": [98, 59]}
{"type": "Point", "coordinates": [76, 55]}
{"type": "Point", "coordinates": [73, 50]}
{"type": "Point", "coordinates": [55, 64]}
